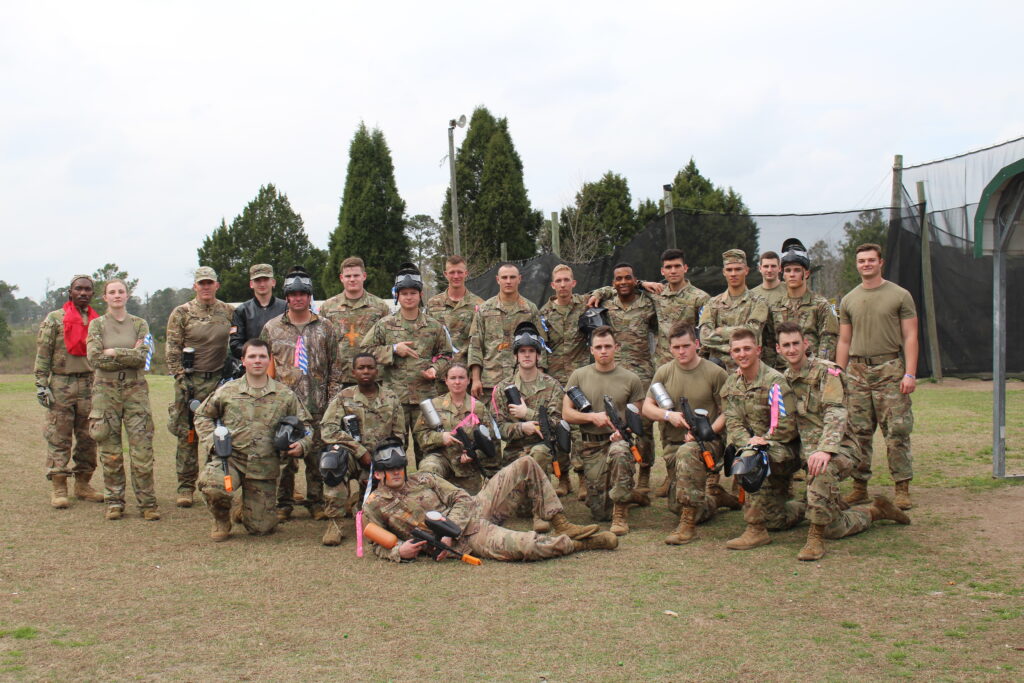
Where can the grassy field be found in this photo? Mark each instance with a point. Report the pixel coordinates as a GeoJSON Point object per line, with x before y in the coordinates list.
{"type": "Point", "coordinates": [942, 599]}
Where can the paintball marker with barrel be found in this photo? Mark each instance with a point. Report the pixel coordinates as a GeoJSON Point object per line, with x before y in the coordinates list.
{"type": "Point", "coordinates": [558, 438]}
{"type": "Point", "coordinates": [480, 442]}
{"type": "Point", "coordinates": [700, 428]}
{"type": "Point", "coordinates": [188, 364]}
{"type": "Point", "coordinates": [631, 429]}
{"type": "Point", "coordinates": [222, 449]}
{"type": "Point", "coordinates": [438, 527]}
{"type": "Point", "coordinates": [350, 423]}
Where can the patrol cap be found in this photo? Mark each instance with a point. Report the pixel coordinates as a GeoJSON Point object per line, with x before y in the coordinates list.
{"type": "Point", "coordinates": [81, 277]}
{"type": "Point", "coordinates": [205, 273]}
{"type": "Point", "coordinates": [261, 270]}
{"type": "Point", "coordinates": [734, 256]}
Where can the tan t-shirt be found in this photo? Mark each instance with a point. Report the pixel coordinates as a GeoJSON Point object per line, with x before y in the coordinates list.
{"type": "Point", "coordinates": [700, 386]}
{"type": "Point", "coordinates": [875, 315]}
{"type": "Point", "coordinates": [620, 384]}
{"type": "Point", "coordinates": [118, 335]}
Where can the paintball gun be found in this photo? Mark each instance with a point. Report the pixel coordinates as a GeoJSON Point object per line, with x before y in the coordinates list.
{"type": "Point", "coordinates": [188, 364]}
{"type": "Point", "coordinates": [700, 428]}
{"type": "Point", "coordinates": [631, 429]}
{"type": "Point", "coordinates": [579, 400]}
{"type": "Point", "coordinates": [438, 527]}
{"type": "Point", "coordinates": [222, 449]}
{"type": "Point", "coordinates": [479, 444]}
{"type": "Point", "coordinates": [350, 423]}
{"type": "Point", "coordinates": [558, 439]}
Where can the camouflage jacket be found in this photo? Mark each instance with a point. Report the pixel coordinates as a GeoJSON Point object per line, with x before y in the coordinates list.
{"type": "Point", "coordinates": [545, 390]}
{"type": "Point", "coordinates": [457, 316]}
{"type": "Point", "coordinates": [352, 318]}
{"type": "Point", "coordinates": [402, 373]}
{"type": "Point", "coordinates": [52, 355]}
{"type": "Point", "coordinates": [126, 359]}
{"type": "Point", "coordinates": [402, 510]}
{"type": "Point", "coordinates": [204, 327]}
{"type": "Point", "coordinates": [821, 415]}
{"type": "Point", "coordinates": [816, 318]}
{"type": "Point", "coordinates": [490, 344]}
{"type": "Point", "coordinates": [451, 416]}
{"type": "Point", "coordinates": [379, 418]}
{"type": "Point", "coordinates": [251, 415]}
{"type": "Point", "coordinates": [773, 295]}
{"type": "Point", "coordinates": [746, 407]}
{"type": "Point", "coordinates": [569, 349]}
{"type": "Point", "coordinates": [320, 337]}
{"type": "Point", "coordinates": [722, 315]}
{"type": "Point", "coordinates": [633, 323]}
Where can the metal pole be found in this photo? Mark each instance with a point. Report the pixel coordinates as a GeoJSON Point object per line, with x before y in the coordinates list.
{"type": "Point", "coordinates": [456, 241]}
{"type": "Point", "coordinates": [896, 202]}
{"type": "Point", "coordinates": [670, 219]}
{"type": "Point", "coordinates": [931, 325]}
{"type": "Point", "coordinates": [504, 252]}
{"type": "Point", "coordinates": [556, 238]}
{"type": "Point", "coordinates": [1003, 224]}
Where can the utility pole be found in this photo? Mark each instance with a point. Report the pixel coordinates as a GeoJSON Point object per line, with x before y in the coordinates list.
{"type": "Point", "coordinates": [931, 327]}
{"type": "Point", "coordinates": [456, 241]}
{"type": "Point", "coordinates": [670, 219]}
{"type": "Point", "coordinates": [556, 238]}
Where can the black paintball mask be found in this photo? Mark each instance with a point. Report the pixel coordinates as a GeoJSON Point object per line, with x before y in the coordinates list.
{"type": "Point", "coordinates": [592, 319]}
{"type": "Point", "coordinates": [389, 455]}
{"type": "Point", "coordinates": [751, 467]}
{"type": "Point", "coordinates": [526, 334]}
{"type": "Point", "coordinates": [298, 281]}
{"type": "Point", "coordinates": [794, 252]}
{"type": "Point", "coordinates": [334, 464]}
{"type": "Point", "coordinates": [408, 277]}
{"type": "Point", "coordinates": [288, 431]}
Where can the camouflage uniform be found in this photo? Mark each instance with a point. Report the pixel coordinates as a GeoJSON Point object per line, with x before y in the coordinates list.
{"type": "Point", "coordinates": [445, 461]}
{"type": "Point", "coordinates": [70, 379]}
{"type": "Point", "coordinates": [206, 328]}
{"type": "Point", "coordinates": [352, 318]}
{"type": "Point", "coordinates": [380, 418]}
{"type": "Point", "coordinates": [479, 516]}
{"type": "Point", "coordinates": [251, 415]}
{"type": "Point", "coordinates": [820, 391]}
{"type": "Point", "coordinates": [746, 407]}
{"type": "Point", "coordinates": [313, 390]}
{"type": "Point", "coordinates": [723, 314]}
{"type": "Point", "coordinates": [457, 316]}
{"type": "Point", "coordinates": [569, 350]}
{"type": "Point", "coordinates": [542, 391]}
{"type": "Point", "coordinates": [401, 373]}
{"type": "Point", "coordinates": [773, 296]}
{"type": "Point", "coordinates": [632, 324]}
{"type": "Point", "coordinates": [490, 344]}
{"type": "Point", "coordinates": [121, 395]}
{"type": "Point", "coordinates": [817, 321]}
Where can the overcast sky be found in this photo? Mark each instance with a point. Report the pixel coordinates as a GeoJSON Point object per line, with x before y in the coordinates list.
{"type": "Point", "coordinates": [129, 129]}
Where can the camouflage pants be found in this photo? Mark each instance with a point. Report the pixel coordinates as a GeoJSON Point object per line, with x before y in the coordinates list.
{"type": "Point", "coordinates": [314, 481]}
{"type": "Point", "coordinates": [690, 487]}
{"type": "Point", "coordinates": [412, 414]}
{"type": "Point", "coordinates": [520, 481]}
{"type": "Point", "coordinates": [257, 495]}
{"type": "Point", "coordinates": [608, 468]}
{"type": "Point", "coordinates": [336, 497]}
{"type": "Point", "coordinates": [538, 451]}
{"type": "Point", "coordinates": [124, 402]}
{"type": "Point", "coordinates": [874, 399]}
{"type": "Point", "coordinates": [186, 455]}
{"type": "Point", "coordinates": [823, 500]}
{"type": "Point", "coordinates": [69, 417]}
{"type": "Point", "coordinates": [771, 504]}
{"type": "Point", "coordinates": [437, 464]}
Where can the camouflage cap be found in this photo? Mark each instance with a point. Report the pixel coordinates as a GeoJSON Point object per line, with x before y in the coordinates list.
{"type": "Point", "coordinates": [734, 256]}
{"type": "Point", "coordinates": [205, 273]}
{"type": "Point", "coordinates": [81, 277]}
{"type": "Point", "coordinates": [261, 270]}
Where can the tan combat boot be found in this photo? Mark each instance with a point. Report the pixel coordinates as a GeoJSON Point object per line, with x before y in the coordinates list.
{"type": "Point", "coordinates": [687, 529]}
{"type": "Point", "coordinates": [581, 493]}
{"type": "Point", "coordinates": [723, 499]}
{"type": "Point", "coordinates": [576, 532]}
{"type": "Point", "coordinates": [150, 514]}
{"type": "Point", "coordinates": [902, 497]}
{"type": "Point", "coordinates": [236, 511]}
{"type": "Point", "coordinates": [85, 492]}
{"type": "Point", "coordinates": [333, 534]}
{"type": "Point", "coordinates": [754, 536]}
{"type": "Point", "coordinates": [639, 497]}
{"type": "Point", "coordinates": [859, 494]}
{"type": "Point", "coordinates": [541, 526]}
{"type": "Point", "coordinates": [59, 496]}
{"type": "Point", "coordinates": [564, 486]}
{"type": "Point", "coordinates": [605, 540]}
{"type": "Point", "coordinates": [221, 525]}
{"type": "Point", "coordinates": [620, 527]}
{"type": "Point", "coordinates": [883, 508]}
{"type": "Point", "coordinates": [814, 549]}
{"type": "Point", "coordinates": [643, 480]}
{"type": "Point", "coordinates": [663, 487]}
{"type": "Point", "coordinates": [283, 515]}
{"type": "Point", "coordinates": [317, 512]}
{"type": "Point", "coordinates": [114, 512]}
{"type": "Point", "coordinates": [184, 499]}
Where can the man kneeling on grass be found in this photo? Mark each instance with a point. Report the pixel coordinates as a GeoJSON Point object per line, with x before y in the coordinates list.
{"type": "Point", "coordinates": [400, 503]}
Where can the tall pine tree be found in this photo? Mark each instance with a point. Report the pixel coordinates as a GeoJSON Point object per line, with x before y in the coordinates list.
{"type": "Point", "coordinates": [371, 221]}
{"type": "Point", "coordinates": [267, 231]}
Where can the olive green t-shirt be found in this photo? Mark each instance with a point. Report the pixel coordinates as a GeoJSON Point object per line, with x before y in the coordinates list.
{"type": "Point", "coordinates": [118, 335]}
{"type": "Point", "coordinates": [620, 384]}
{"type": "Point", "coordinates": [875, 315]}
{"type": "Point", "coordinates": [700, 386]}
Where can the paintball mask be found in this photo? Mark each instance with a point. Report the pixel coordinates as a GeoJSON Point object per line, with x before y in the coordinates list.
{"type": "Point", "coordinates": [288, 431]}
{"type": "Point", "coordinates": [794, 252]}
{"type": "Point", "coordinates": [408, 277]}
{"type": "Point", "coordinates": [334, 464]}
{"type": "Point", "coordinates": [526, 335]}
{"type": "Point", "coordinates": [592, 319]}
{"type": "Point", "coordinates": [389, 455]}
{"type": "Point", "coordinates": [751, 467]}
{"type": "Point", "coordinates": [298, 281]}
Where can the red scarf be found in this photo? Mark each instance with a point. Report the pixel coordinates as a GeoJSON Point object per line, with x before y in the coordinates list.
{"type": "Point", "coordinates": [75, 331]}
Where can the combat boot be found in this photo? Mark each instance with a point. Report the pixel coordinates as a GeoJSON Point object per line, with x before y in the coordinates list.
{"type": "Point", "coordinates": [643, 480]}
{"type": "Point", "coordinates": [564, 487]}
{"type": "Point", "coordinates": [236, 511]}
{"type": "Point", "coordinates": [184, 499]}
{"type": "Point", "coordinates": [902, 497]}
{"type": "Point", "coordinates": [639, 497]}
{"type": "Point", "coordinates": [814, 549]}
{"type": "Point", "coordinates": [859, 494]}
{"type": "Point", "coordinates": [541, 526]}
{"type": "Point", "coordinates": [687, 529]}
{"type": "Point", "coordinates": [723, 499]}
{"type": "Point", "coordinates": [663, 487]}
{"type": "Point", "coordinates": [581, 494]}
{"type": "Point", "coordinates": [59, 496]}
{"type": "Point", "coordinates": [221, 524]}
{"type": "Point", "coordinates": [150, 514]}
{"type": "Point", "coordinates": [85, 492]}
{"type": "Point", "coordinates": [620, 527]}
{"type": "Point", "coordinates": [883, 508]}
{"type": "Point", "coordinates": [114, 512]}
{"type": "Point", "coordinates": [576, 532]}
{"type": "Point", "coordinates": [283, 514]}
{"type": "Point", "coordinates": [333, 534]}
{"type": "Point", "coordinates": [605, 540]}
{"type": "Point", "coordinates": [754, 536]}
{"type": "Point", "coordinates": [316, 511]}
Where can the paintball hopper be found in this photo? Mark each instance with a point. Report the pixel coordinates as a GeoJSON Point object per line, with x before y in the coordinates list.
{"type": "Point", "coordinates": [702, 430]}
{"type": "Point", "coordinates": [728, 458]}
{"type": "Point", "coordinates": [430, 415]}
{"type": "Point", "coordinates": [513, 395]}
{"type": "Point", "coordinates": [334, 464]}
{"type": "Point", "coordinates": [188, 359]}
{"type": "Point", "coordinates": [389, 455]}
{"type": "Point", "coordinates": [194, 404]}
{"type": "Point", "coordinates": [350, 423]}
{"type": "Point", "coordinates": [288, 431]}
{"type": "Point", "coordinates": [633, 420]}
{"type": "Point", "coordinates": [751, 468]}
{"type": "Point", "coordinates": [794, 252]}
{"type": "Point", "coordinates": [485, 444]}
{"type": "Point", "coordinates": [592, 319]}
{"type": "Point", "coordinates": [298, 281]}
{"type": "Point", "coordinates": [579, 400]}
{"type": "Point", "coordinates": [408, 277]}
{"type": "Point", "coordinates": [526, 335]}
{"type": "Point", "coordinates": [221, 441]}
{"type": "Point", "coordinates": [661, 396]}
{"type": "Point", "coordinates": [563, 436]}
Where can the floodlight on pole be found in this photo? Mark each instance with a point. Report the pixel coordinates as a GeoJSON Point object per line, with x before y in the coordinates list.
{"type": "Point", "coordinates": [456, 242]}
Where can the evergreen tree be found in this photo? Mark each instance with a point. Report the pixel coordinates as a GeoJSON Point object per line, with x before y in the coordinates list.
{"type": "Point", "coordinates": [424, 235]}
{"type": "Point", "coordinates": [5, 336]}
{"type": "Point", "coordinates": [159, 305]}
{"type": "Point", "coordinates": [869, 227]}
{"type": "Point", "coordinates": [267, 231]}
{"type": "Point", "coordinates": [601, 219]}
{"type": "Point", "coordinates": [371, 221]}
{"type": "Point", "coordinates": [648, 210]}
{"type": "Point", "coordinates": [108, 272]}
